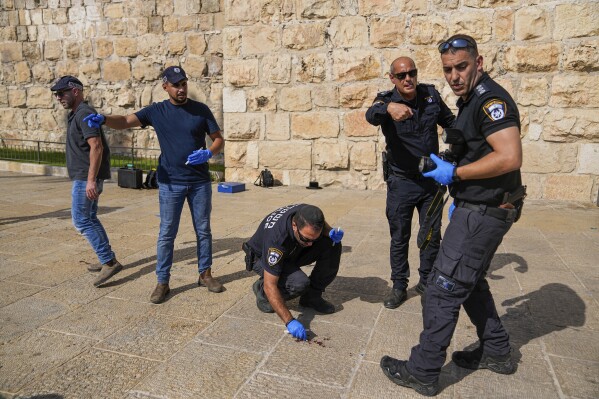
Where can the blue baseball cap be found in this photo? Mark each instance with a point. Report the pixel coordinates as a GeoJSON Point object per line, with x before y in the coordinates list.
{"type": "Point", "coordinates": [173, 74]}
{"type": "Point", "coordinates": [67, 82]}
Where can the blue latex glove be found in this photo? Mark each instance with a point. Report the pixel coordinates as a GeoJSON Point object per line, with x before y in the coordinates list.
{"type": "Point", "coordinates": [443, 173]}
{"type": "Point", "coordinates": [94, 120]}
{"type": "Point", "coordinates": [336, 235]}
{"type": "Point", "coordinates": [198, 157]}
{"type": "Point", "coordinates": [297, 330]}
{"type": "Point", "coordinates": [450, 212]}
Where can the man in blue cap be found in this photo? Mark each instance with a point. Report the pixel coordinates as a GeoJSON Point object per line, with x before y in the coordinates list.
{"type": "Point", "coordinates": [181, 125]}
{"type": "Point", "coordinates": [88, 164]}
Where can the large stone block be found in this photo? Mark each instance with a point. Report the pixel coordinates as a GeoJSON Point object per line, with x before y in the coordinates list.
{"type": "Point", "coordinates": [387, 31]}
{"type": "Point", "coordinates": [414, 6]}
{"type": "Point", "coordinates": [17, 98]}
{"type": "Point", "coordinates": [325, 96]}
{"type": "Point", "coordinates": [574, 91]}
{"type": "Point", "coordinates": [588, 159]}
{"type": "Point", "coordinates": [240, 73]}
{"type": "Point", "coordinates": [276, 68]}
{"type": "Point", "coordinates": [125, 46]}
{"type": "Point", "coordinates": [504, 21]}
{"type": "Point", "coordinates": [304, 36]}
{"type": "Point", "coordinates": [355, 124]}
{"type": "Point", "coordinates": [262, 99]}
{"type": "Point", "coordinates": [533, 91]}
{"type": "Point", "coordinates": [12, 117]}
{"type": "Point", "coordinates": [477, 24]}
{"type": "Point", "coordinates": [568, 188]}
{"type": "Point", "coordinates": [353, 180]}
{"type": "Point", "coordinates": [363, 155]}
{"type": "Point", "coordinates": [176, 43]}
{"type": "Point", "coordinates": [355, 65]}
{"type": "Point", "coordinates": [234, 100]}
{"type": "Point", "coordinates": [115, 71]}
{"type": "Point", "coordinates": [22, 72]}
{"type": "Point", "coordinates": [353, 95]}
{"type": "Point", "coordinates": [231, 42]}
{"type": "Point", "coordinates": [240, 126]}
{"type": "Point", "coordinates": [427, 30]}
{"type": "Point", "coordinates": [104, 48]}
{"type": "Point", "coordinates": [376, 7]}
{"type": "Point", "coordinates": [532, 23]}
{"type": "Point", "coordinates": [490, 3]}
{"type": "Point", "coordinates": [276, 11]}
{"type": "Point", "coordinates": [540, 57]}
{"type": "Point", "coordinates": [39, 97]}
{"type": "Point", "coordinates": [146, 70]}
{"type": "Point", "coordinates": [52, 50]}
{"type": "Point", "coordinates": [285, 154]}
{"type": "Point", "coordinates": [260, 39]}
{"type": "Point", "coordinates": [242, 12]}
{"type": "Point", "coordinates": [330, 154]}
{"type": "Point", "coordinates": [277, 126]}
{"type": "Point", "coordinates": [66, 67]}
{"type": "Point", "coordinates": [348, 31]}
{"type": "Point", "coordinates": [576, 20]}
{"type": "Point", "coordinates": [90, 71]}
{"type": "Point", "coordinates": [114, 10]}
{"type": "Point", "coordinates": [235, 154]}
{"type": "Point", "coordinates": [582, 57]}
{"type": "Point", "coordinates": [313, 125]}
{"type": "Point", "coordinates": [542, 157]}
{"type": "Point", "coordinates": [313, 9]}
{"type": "Point", "coordinates": [571, 125]}
{"type": "Point", "coordinates": [196, 44]}
{"type": "Point", "coordinates": [149, 45]}
{"type": "Point", "coordinates": [295, 99]}
{"type": "Point", "coordinates": [311, 68]}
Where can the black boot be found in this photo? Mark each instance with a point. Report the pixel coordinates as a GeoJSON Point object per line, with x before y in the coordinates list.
{"type": "Point", "coordinates": [261, 300]}
{"type": "Point", "coordinates": [397, 372]}
{"type": "Point", "coordinates": [313, 299]}
{"type": "Point", "coordinates": [477, 359]}
{"type": "Point", "coordinates": [395, 298]}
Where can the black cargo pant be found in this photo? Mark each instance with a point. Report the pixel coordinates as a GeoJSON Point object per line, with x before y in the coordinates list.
{"type": "Point", "coordinates": [405, 194]}
{"type": "Point", "coordinates": [458, 279]}
{"type": "Point", "coordinates": [293, 282]}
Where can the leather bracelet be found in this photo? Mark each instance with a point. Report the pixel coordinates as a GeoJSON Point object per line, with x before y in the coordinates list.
{"type": "Point", "coordinates": [454, 176]}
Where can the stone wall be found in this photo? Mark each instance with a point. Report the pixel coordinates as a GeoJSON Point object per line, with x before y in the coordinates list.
{"type": "Point", "coordinates": [290, 80]}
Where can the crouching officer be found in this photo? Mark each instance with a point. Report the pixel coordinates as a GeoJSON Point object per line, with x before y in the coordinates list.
{"type": "Point", "coordinates": [290, 237]}
{"type": "Point", "coordinates": [488, 193]}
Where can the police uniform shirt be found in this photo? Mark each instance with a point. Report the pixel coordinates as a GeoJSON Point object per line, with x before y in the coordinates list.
{"type": "Point", "coordinates": [488, 109]}
{"type": "Point", "coordinates": [274, 242]}
{"type": "Point", "coordinates": [408, 140]}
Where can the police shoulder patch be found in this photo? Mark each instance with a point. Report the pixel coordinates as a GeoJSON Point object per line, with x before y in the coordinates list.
{"type": "Point", "coordinates": [495, 109]}
{"type": "Point", "coordinates": [274, 256]}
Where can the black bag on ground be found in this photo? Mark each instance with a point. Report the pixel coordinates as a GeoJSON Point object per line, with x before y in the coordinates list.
{"type": "Point", "coordinates": [151, 180]}
{"type": "Point", "coordinates": [265, 179]}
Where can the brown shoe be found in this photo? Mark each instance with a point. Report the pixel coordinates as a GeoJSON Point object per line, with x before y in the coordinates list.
{"type": "Point", "coordinates": [160, 293]}
{"type": "Point", "coordinates": [108, 270]}
{"type": "Point", "coordinates": [94, 268]}
{"type": "Point", "coordinates": [210, 282]}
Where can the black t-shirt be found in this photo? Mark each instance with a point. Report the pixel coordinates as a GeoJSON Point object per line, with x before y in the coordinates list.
{"type": "Point", "coordinates": [408, 140]}
{"type": "Point", "coordinates": [181, 129]}
{"type": "Point", "coordinates": [488, 109]}
{"type": "Point", "coordinates": [274, 242]}
{"type": "Point", "coordinates": [77, 150]}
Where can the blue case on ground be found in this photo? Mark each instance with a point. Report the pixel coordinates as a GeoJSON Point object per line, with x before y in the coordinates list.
{"type": "Point", "coordinates": [231, 187]}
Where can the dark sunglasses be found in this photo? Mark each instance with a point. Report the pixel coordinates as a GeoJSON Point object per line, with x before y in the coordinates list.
{"type": "Point", "coordinates": [455, 43]}
{"type": "Point", "coordinates": [402, 75]}
{"type": "Point", "coordinates": [59, 94]}
{"type": "Point", "coordinates": [304, 239]}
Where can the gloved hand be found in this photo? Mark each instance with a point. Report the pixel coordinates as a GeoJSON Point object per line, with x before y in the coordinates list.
{"type": "Point", "coordinates": [451, 208]}
{"type": "Point", "coordinates": [297, 330]}
{"type": "Point", "coordinates": [94, 120]}
{"type": "Point", "coordinates": [198, 157]}
{"type": "Point", "coordinates": [443, 173]}
{"type": "Point", "coordinates": [336, 235]}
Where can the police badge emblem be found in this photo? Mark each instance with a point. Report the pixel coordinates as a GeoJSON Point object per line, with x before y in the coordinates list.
{"type": "Point", "coordinates": [274, 256]}
{"type": "Point", "coordinates": [495, 109]}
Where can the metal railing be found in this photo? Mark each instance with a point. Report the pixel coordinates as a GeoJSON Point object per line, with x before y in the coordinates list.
{"type": "Point", "coordinates": [53, 153]}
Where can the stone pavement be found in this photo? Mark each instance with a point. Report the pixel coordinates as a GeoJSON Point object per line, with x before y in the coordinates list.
{"type": "Point", "coordinates": [62, 338]}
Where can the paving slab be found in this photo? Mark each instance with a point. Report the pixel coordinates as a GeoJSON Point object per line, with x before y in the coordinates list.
{"type": "Point", "coordinates": [60, 337]}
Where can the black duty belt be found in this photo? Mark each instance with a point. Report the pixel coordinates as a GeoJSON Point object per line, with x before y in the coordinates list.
{"type": "Point", "coordinates": [506, 215]}
{"type": "Point", "coordinates": [407, 175]}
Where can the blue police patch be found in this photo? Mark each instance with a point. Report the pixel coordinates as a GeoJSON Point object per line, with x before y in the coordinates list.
{"type": "Point", "coordinates": [495, 109]}
{"type": "Point", "coordinates": [445, 284]}
{"type": "Point", "coordinates": [429, 99]}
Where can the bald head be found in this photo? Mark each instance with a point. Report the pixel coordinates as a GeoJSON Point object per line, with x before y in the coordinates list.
{"type": "Point", "coordinates": [406, 62]}
{"type": "Point", "coordinates": [404, 76]}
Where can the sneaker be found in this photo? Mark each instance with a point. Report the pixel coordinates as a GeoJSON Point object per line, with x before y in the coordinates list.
{"type": "Point", "coordinates": [397, 372]}
{"type": "Point", "coordinates": [160, 293]}
{"type": "Point", "coordinates": [420, 288]}
{"type": "Point", "coordinates": [395, 298]}
{"type": "Point", "coordinates": [210, 282]}
{"type": "Point", "coordinates": [313, 299]}
{"type": "Point", "coordinates": [108, 270]}
{"type": "Point", "coordinates": [261, 301]}
{"type": "Point", "coordinates": [94, 268]}
{"type": "Point", "coordinates": [477, 359]}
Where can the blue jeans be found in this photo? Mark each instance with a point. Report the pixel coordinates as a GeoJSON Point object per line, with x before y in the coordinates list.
{"type": "Point", "coordinates": [172, 197]}
{"type": "Point", "coordinates": [83, 212]}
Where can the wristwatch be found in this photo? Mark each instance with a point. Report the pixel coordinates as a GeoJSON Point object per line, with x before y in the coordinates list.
{"type": "Point", "coordinates": [454, 176]}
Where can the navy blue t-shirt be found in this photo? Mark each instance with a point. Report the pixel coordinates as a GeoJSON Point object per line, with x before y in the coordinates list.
{"type": "Point", "coordinates": [181, 129]}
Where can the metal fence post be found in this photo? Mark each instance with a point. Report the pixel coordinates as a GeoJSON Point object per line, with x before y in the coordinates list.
{"type": "Point", "coordinates": [38, 151]}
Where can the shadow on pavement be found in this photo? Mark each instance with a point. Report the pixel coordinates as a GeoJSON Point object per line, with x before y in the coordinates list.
{"type": "Point", "coordinates": [501, 260]}
{"type": "Point", "coordinates": [61, 214]}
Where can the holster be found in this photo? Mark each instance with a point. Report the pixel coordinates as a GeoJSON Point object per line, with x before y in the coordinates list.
{"type": "Point", "coordinates": [250, 257]}
{"type": "Point", "coordinates": [516, 198]}
{"type": "Point", "coordinates": [385, 166]}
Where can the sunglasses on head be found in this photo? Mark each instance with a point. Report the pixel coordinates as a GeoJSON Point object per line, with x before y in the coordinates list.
{"type": "Point", "coordinates": [402, 75]}
{"type": "Point", "coordinates": [304, 239]}
{"type": "Point", "coordinates": [455, 43]}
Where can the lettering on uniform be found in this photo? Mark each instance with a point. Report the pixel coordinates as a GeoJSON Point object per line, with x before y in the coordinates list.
{"type": "Point", "coordinates": [274, 256]}
{"type": "Point", "coordinates": [445, 284]}
{"type": "Point", "coordinates": [495, 109]}
{"type": "Point", "coordinates": [481, 89]}
{"type": "Point", "coordinates": [271, 220]}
